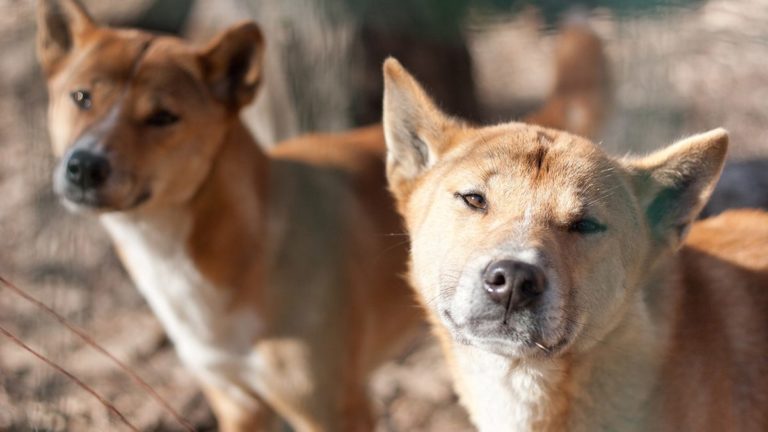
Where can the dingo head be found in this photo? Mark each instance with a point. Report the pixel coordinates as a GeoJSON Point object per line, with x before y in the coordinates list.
{"type": "Point", "coordinates": [136, 118]}
{"type": "Point", "coordinates": [527, 240]}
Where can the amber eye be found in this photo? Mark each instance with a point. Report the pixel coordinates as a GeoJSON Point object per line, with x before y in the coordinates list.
{"type": "Point", "coordinates": [81, 98]}
{"type": "Point", "coordinates": [474, 200]}
{"type": "Point", "coordinates": [161, 118]}
{"type": "Point", "coordinates": [586, 226]}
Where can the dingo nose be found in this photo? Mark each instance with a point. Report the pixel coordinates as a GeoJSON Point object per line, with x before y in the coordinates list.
{"type": "Point", "coordinates": [87, 170]}
{"type": "Point", "coordinates": [513, 283]}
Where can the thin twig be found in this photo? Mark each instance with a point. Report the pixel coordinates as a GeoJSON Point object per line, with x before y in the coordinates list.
{"type": "Point", "coordinates": [69, 375]}
{"type": "Point", "coordinates": [93, 344]}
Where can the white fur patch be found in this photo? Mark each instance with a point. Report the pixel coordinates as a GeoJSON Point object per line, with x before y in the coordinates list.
{"type": "Point", "coordinates": [213, 341]}
{"type": "Point", "coordinates": [502, 399]}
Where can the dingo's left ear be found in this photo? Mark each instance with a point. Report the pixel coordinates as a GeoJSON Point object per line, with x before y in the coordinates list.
{"type": "Point", "coordinates": [232, 64]}
{"type": "Point", "coordinates": [415, 130]}
{"type": "Point", "coordinates": [61, 25]}
{"type": "Point", "coordinates": [675, 183]}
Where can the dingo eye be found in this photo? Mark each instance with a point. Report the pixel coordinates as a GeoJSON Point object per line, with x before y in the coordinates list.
{"type": "Point", "coordinates": [475, 201]}
{"type": "Point", "coordinates": [586, 226]}
{"type": "Point", "coordinates": [162, 118]}
{"type": "Point", "coordinates": [81, 98]}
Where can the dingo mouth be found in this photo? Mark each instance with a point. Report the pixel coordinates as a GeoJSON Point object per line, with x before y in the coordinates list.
{"type": "Point", "coordinates": [502, 338]}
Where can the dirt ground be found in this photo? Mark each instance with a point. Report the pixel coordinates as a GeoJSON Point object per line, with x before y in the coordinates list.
{"type": "Point", "coordinates": [675, 72]}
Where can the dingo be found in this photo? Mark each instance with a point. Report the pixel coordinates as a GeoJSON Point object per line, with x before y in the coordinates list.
{"type": "Point", "coordinates": [558, 281]}
{"type": "Point", "coordinates": [274, 275]}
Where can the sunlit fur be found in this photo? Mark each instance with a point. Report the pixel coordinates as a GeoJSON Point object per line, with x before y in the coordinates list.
{"type": "Point", "coordinates": [636, 329]}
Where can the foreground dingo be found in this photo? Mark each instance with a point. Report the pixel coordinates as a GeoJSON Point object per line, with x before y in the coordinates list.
{"type": "Point", "coordinates": [559, 281]}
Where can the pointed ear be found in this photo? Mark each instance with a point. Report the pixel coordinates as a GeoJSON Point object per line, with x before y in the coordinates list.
{"type": "Point", "coordinates": [415, 130]}
{"type": "Point", "coordinates": [674, 184]}
{"type": "Point", "coordinates": [61, 25]}
{"type": "Point", "coordinates": [232, 64]}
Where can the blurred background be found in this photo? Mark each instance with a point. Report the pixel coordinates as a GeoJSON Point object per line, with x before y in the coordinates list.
{"type": "Point", "coordinates": [676, 67]}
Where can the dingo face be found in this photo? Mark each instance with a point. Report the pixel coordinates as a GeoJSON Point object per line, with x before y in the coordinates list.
{"type": "Point", "coordinates": [136, 118]}
{"type": "Point", "coordinates": [516, 243]}
{"type": "Point", "coordinates": [528, 241]}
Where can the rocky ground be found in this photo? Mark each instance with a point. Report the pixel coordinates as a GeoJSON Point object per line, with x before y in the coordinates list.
{"type": "Point", "coordinates": [675, 72]}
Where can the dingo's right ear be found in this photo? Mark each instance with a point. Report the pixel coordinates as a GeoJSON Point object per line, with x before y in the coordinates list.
{"type": "Point", "coordinates": [415, 130]}
{"type": "Point", "coordinates": [61, 25]}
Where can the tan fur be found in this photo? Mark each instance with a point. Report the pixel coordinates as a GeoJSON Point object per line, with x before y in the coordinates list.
{"type": "Point", "coordinates": [722, 314]}
{"type": "Point", "coordinates": [635, 328]}
{"type": "Point", "coordinates": [277, 275]}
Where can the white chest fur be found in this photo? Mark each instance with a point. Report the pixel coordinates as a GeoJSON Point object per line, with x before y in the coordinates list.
{"type": "Point", "coordinates": [211, 339]}
{"type": "Point", "coordinates": [501, 398]}
{"type": "Point", "coordinates": [610, 389]}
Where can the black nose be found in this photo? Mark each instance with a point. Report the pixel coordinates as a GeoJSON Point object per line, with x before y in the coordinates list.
{"type": "Point", "coordinates": [513, 283]}
{"type": "Point", "coordinates": [87, 170]}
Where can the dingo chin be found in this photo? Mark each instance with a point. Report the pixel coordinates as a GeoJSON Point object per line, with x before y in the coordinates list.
{"type": "Point", "coordinates": [560, 280]}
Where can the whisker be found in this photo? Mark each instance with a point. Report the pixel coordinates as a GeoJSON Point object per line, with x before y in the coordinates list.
{"type": "Point", "coordinates": [393, 247]}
